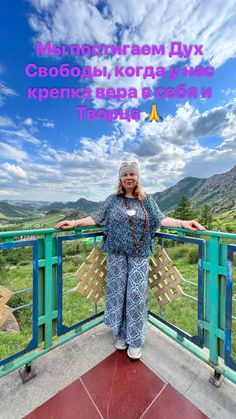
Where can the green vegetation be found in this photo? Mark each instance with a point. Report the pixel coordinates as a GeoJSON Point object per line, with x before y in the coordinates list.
{"type": "Point", "coordinates": [220, 221]}
{"type": "Point", "coordinates": [206, 217]}
{"type": "Point", "coordinates": [225, 221]}
{"type": "Point", "coordinates": [182, 312]}
{"type": "Point", "coordinates": [16, 274]}
{"type": "Point", "coordinates": [47, 221]}
{"type": "Point", "coordinates": [183, 210]}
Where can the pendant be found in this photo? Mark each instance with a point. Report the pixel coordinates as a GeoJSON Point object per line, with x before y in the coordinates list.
{"type": "Point", "coordinates": [131, 212]}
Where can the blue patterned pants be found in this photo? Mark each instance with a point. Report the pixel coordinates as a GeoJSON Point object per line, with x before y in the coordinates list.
{"type": "Point", "coordinates": [126, 297]}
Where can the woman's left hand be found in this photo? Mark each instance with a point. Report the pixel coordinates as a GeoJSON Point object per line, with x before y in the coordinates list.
{"type": "Point", "coordinates": [192, 225]}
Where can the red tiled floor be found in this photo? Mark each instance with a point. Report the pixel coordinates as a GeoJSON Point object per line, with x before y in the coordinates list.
{"type": "Point", "coordinates": [73, 402]}
{"type": "Point", "coordinates": [171, 404]}
{"type": "Point", "coordinates": [122, 388]}
{"type": "Point", "coordinates": [118, 388]}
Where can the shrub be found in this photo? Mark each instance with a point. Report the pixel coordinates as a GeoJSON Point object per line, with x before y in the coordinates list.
{"type": "Point", "coordinates": [179, 251]}
{"type": "Point", "coordinates": [193, 256]}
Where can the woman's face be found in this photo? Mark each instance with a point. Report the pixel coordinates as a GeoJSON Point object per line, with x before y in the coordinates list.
{"type": "Point", "coordinates": [129, 180]}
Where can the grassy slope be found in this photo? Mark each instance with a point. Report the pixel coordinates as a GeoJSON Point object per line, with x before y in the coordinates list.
{"type": "Point", "coordinates": [225, 221]}
{"type": "Point", "coordinates": [182, 312]}
{"type": "Point", "coordinates": [47, 221]}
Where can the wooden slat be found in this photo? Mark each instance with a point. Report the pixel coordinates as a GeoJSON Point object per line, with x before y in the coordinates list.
{"type": "Point", "coordinates": [92, 275]}
{"type": "Point", "coordinates": [5, 311]}
{"type": "Point", "coordinates": [165, 279]}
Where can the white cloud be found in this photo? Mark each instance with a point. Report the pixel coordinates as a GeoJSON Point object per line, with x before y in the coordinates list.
{"type": "Point", "coordinates": [147, 22]}
{"type": "Point", "coordinates": [42, 4]}
{"type": "Point", "coordinates": [28, 122]}
{"type": "Point", "coordinates": [14, 171]}
{"type": "Point", "coordinates": [21, 135]}
{"type": "Point", "coordinates": [49, 124]}
{"type": "Point", "coordinates": [5, 92]}
{"type": "Point", "coordinates": [5, 121]}
{"type": "Point", "coordinates": [44, 122]}
{"type": "Point", "coordinates": [12, 177]}
{"type": "Point", "coordinates": [167, 152]}
{"type": "Point", "coordinates": [229, 91]}
{"type": "Point", "coordinates": [31, 127]}
{"type": "Point", "coordinates": [185, 128]}
{"type": "Point", "coordinates": [5, 192]}
{"type": "Point", "coordinates": [128, 14]}
{"type": "Point", "coordinates": [70, 21]}
{"type": "Point", "coordinates": [9, 152]}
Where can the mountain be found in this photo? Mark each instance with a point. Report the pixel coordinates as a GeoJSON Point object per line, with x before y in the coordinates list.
{"type": "Point", "coordinates": [10, 210]}
{"type": "Point", "coordinates": [168, 199]}
{"type": "Point", "coordinates": [82, 204]}
{"type": "Point", "coordinates": [218, 191]}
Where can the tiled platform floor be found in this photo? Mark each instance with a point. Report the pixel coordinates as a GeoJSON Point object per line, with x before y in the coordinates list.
{"type": "Point", "coordinates": [118, 388]}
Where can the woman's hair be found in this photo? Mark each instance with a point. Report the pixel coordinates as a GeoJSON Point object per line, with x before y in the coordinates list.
{"type": "Point", "coordinates": [138, 191]}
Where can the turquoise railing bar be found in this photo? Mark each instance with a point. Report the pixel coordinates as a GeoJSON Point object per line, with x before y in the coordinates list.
{"type": "Point", "coordinates": [216, 323]}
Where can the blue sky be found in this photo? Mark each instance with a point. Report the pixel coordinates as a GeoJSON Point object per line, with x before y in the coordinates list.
{"type": "Point", "coordinates": [47, 153]}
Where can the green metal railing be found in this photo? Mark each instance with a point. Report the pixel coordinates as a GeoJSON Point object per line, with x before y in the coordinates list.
{"type": "Point", "coordinates": [216, 324]}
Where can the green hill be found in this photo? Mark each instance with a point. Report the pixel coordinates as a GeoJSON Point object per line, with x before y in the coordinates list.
{"type": "Point", "coordinates": [12, 210]}
{"type": "Point", "coordinates": [218, 191]}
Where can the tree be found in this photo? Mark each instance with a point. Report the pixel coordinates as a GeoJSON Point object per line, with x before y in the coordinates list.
{"type": "Point", "coordinates": [183, 210]}
{"type": "Point", "coordinates": [3, 269]}
{"type": "Point", "coordinates": [206, 217]}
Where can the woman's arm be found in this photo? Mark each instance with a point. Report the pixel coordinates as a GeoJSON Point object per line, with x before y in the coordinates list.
{"type": "Point", "coordinates": [82, 222]}
{"type": "Point", "coordinates": [97, 218]}
{"type": "Point", "coordinates": [189, 225]}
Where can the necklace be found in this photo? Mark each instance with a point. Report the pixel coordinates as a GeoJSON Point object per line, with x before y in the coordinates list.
{"type": "Point", "coordinates": [131, 212]}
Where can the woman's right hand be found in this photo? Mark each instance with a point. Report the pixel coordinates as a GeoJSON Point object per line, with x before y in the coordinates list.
{"type": "Point", "coordinates": [65, 225]}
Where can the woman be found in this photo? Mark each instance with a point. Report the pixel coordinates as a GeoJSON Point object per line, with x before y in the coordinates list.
{"type": "Point", "coordinates": [130, 218]}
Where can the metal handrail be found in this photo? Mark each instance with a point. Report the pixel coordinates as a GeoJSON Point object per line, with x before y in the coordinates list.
{"type": "Point", "coordinates": [215, 323]}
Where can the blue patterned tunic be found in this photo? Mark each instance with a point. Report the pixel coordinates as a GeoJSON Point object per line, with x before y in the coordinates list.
{"type": "Point", "coordinates": [126, 282]}
{"type": "Point", "coordinates": [112, 215]}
